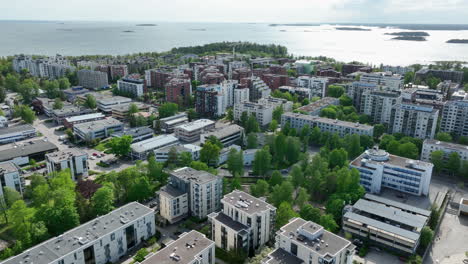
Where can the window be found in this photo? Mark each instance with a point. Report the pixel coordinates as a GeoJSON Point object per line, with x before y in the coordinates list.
{"type": "Point", "coordinates": [112, 236]}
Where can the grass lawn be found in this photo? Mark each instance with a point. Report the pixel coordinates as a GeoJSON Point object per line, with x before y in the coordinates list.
{"type": "Point", "coordinates": [101, 147]}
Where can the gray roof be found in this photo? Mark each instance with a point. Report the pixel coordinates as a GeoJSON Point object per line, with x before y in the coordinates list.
{"type": "Point", "coordinates": [325, 120]}
{"type": "Point", "coordinates": [153, 143]}
{"type": "Point", "coordinates": [24, 149]}
{"type": "Point", "coordinates": [227, 221]}
{"type": "Point", "coordinates": [319, 104]}
{"type": "Point", "coordinates": [16, 129]}
{"type": "Point", "coordinates": [134, 132]}
{"type": "Point", "coordinates": [170, 191]}
{"type": "Point", "coordinates": [225, 131]}
{"type": "Point", "coordinates": [189, 174]}
{"type": "Point", "coordinates": [65, 154]}
{"type": "Point", "coordinates": [382, 226]}
{"type": "Point", "coordinates": [8, 167]}
{"type": "Point", "coordinates": [184, 250]}
{"type": "Point", "coordinates": [447, 145]}
{"type": "Point", "coordinates": [97, 125]}
{"type": "Point", "coordinates": [84, 117]}
{"type": "Point", "coordinates": [390, 213]}
{"type": "Point", "coordinates": [246, 202]}
{"type": "Point", "coordinates": [281, 256]}
{"type": "Point", "coordinates": [195, 125]}
{"type": "Point", "coordinates": [55, 248]}
{"type": "Point", "coordinates": [182, 115]}
{"type": "Point", "coordinates": [396, 204]}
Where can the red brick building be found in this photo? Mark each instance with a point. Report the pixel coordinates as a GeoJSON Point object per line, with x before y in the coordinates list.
{"type": "Point", "coordinates": [274, 81]}
{"type": "Point", "coordinates": [178, 89]}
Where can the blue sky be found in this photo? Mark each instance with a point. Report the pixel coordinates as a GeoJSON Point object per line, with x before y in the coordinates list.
{"type": "Point", "coordinates": [269, 11]}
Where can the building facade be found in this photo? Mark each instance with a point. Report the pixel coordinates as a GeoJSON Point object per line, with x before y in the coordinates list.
{"type": "Point", "coordinates": [414, 120]}
{"type": "Point", "coordinates": [92, 79]}
{"type": "Point", "coordinates": [74, 159]}
{"type": "Point", "coordinates": [378, 105]}
{"type": "Point", "coordinates": [191, 132]}
{"type": "Point", "coordinates": [98, 129]}
{"type": "Point", "coordinates": [142, 149]}
{"type": "Point", "coordinates": [16, 133]}
{"type": "Point", "coordinates": [132, 86]}
{"type": "Point", "coordinates": [454, 119]}
{"type": "Point", "coordinates": [431, 145]}
{"type": "Point", "coordinates": [11, 176]}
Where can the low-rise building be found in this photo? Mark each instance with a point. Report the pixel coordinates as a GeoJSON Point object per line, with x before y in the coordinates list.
{"type": "Point", "coordinates": [168, 124]}
{"type": "Point", "coordinates": [98, 129]}
{"type": "Point", "coordinates": [301, 241]}
{"type": "Point", "coordinates": [59, 115]}
{"type": "Point", "coordinates": [379, 169]}
{"type": "Point", "coordinates": [245, 223]}
{"type": "Point", "coordinates": [190, 248]}
{"type": "Point", "coordinates": [138, 133]}
{"type": "Point", "coordinates": [316, 107]}
{"type": "Point", "coordinates": [106, 104]}
{"type": "Point", "coordinates": [92, 79]}
{"type": "Point", "coordinates": [431, 145]}
{"type": "Point", "coordinates": [463, 209]}
{"type": "Point", "coordinates": [16, 133]}
{"type": "Point", "coordinates": [21, 153]}
{"type": "Point", "coordinates": [10, 176]}
{"type": "Point", "coordinates": [142, 149]}
{"type": "Point", "coordinates": [105, 239]}
{"type": "Point", "coordinates": [121, 111]}
{"type": "Point", "coordinates": [227, 134]}
{"type": "Point", "coordinates": [162, 154]}
{"type": "Point", "coordinates": [69, 122]}
{"type": "Point", "coordinates": [73, 92]}
{"type": "Point", "coordinates": [191, 132]}
{"type": "Point", "coordinates": [74, 159]}
{"type": "Point", "coordinates": [132, 86]}
{"type": "Point", "coordinates": [342, 128]}
{"type": "Point", "coordinates": [388, 223]}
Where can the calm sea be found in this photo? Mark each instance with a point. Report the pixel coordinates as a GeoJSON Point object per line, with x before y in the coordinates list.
{"type": "Point", "coordinates": [80, 38]}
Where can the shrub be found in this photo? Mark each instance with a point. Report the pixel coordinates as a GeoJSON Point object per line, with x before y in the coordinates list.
{"type": "Point", "coordinates": [141, 254]}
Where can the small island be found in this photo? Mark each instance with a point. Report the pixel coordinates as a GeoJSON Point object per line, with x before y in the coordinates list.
{"type": "Point", "coordinates": [146, 25]}
{"type": "Point", "coordinates": [410, 38]}
{"type": "Point", "coordinates": [352, 29]}
{"type": "Point", "coordinates": [458, 41]}
{"type": "Point", "coordinates": [409, 34]}
{"type": "Point", "coordinates": [128, 31]}
{"type": "Point", "coordinates": [197, 29]}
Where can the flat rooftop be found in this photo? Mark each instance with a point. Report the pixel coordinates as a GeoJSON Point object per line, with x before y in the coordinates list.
{"type": "Point", "coordinates": [447, 145]}
{"type": "Point", "coordinates": [86, 234]}
{"type": "Point", "coordinates": [196, 125]}
{"type": "Point", "coordinates": [16, 129]}
{"type": "Point", "coordinates": [184, 250]}
{"type": "Point", "coordinates": [173, 117]}
{"type": "Point", "coordinates": [110, 100]}
{"type": "Point", "coordinates": [170, 191]}
{"type": "Point", "coordinates": [281, 256]}
{"type": "Point", "coordinates": [84, 117]}
{"type": "Point", "coordinates": [391, 159]}
{"type": "Point", "coordinates": [246, 202]}
{"type": "Point", "coordinates": [153, 143]}
{"type": "Point", "coordinates": [319, 104]}
{"type": "Point", "coordinates": [227, 221]}
{"type": "Point", "coordinates": [395, 204]}
{"type": "Point", "coordinates": [65, 154]}
{"type": "Point", "coordinates": [97, 125]}
{"type": "Point", "coordinates": [193, 175]}
{"type": "Point", "coordinates": [134, 132]}
{"type": "Point", "coordinates": [8, 167]}
{"type": "Point", "coordinates": [24, 149]}
{"type": "Point", "coordinates": [224, 131]}
{"type": "Point", "coordinates": [325, 120]}
{"type": "Point", "coordinates": [319, 245]}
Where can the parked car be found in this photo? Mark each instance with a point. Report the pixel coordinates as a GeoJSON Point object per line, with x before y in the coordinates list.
{"type": "Point", "coordinates": [95, 154]}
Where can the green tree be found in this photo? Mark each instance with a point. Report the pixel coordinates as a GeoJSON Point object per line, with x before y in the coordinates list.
{"type": "Point", "coordinates": [185, 158]}
{"type": "Point", "coordinates": [453, 162]}
{"type": "Point", "coordinates": [259, 189]}
{"type": "Point", "coordinates": [168, 109]}
{"type": "Point", "coordinates": [379, 130]}
{"type": "Point", "coordinates": [292, 149]}
{"type": "Point", "coordinates": [409, 77]}
{"type": "Point", "coordinates": [273, 125]}
{"type": "Point", "coordinates": [408, 150]}
{"type": "Point", "coordinates": [10, 195]}
{"type": "Point", "coordinates": [252, 141]}
{"type": "Point", "coordinates": [354, 148]}
{"type": "Point", "coordinates": [335, 91]}
{"type": "Point", "coordinates": [437, 158]}
{"type": "Point", "coordinates": [51, 88]}
{"type": "Point", "coordinates": [328, 222]}
{"type": "Point", "coordinates": [26, 113]}
{"type": "Point", "coordinates": [133, 109]}
{"type": "Point", "coordinates": [120, 146]}
{"type": "Point", "coordinates": [338, 158]}
{"type": "Point", "coordinates": [236, 183]}
{"type": "Point", "coordinates": [235, 162]}
{"type": "Point", "coordinates": [64, 83]}
{"type": "Point", "coordinates": [346, 100]}
{"type": "Point", "coordinates": [335, 208]}
{"type": "Point", "coordinates": [28, 90]}
{"type": "Point", "coordinates": [155, 169]}
{"type": "Point", "coordinates": [277, 113]}
{"type": "Point", "coordinates": [210, 153]}
{"type": "Point", "coordinates": [262, 162]}
{"type": "Point", "coordinates": [192, 114]}
{"type": "Point", "coordinates": [102, 201]}
{"type": "Point", "coordinates": [302, 197]}
{"type": "Point", "coordinates": [310, 213]}
{"type": "Point", "coordinates": [282, 193]}
{"type": "Point", "coordinates": [21, 218]}
{"type": "Point", "coordinates": [12, 82]}
{"type": "Point", "coordinates": [230, 115]}
{"type": "Point", "coordinates": [464, 169]}
{"type": "Point", "coordinates": [276, 178]}
{"type": "Point", "coordinates": [432, 82]}
{"type": "Point", "coordinates": [442, 136]}
{"type": "Point", "coordinates": [434, 217]}
{"type": "Point", "coordinates": [284, 214]}
{"type": "Point", "coordinates": [58, 104]}
{"type": "Point", "coordinates": [90, 101]}
{"type": "Point", "coordinates": [297, 177]}
{"type": "Point", "coordinates": [140, 190]}
{"type": "Point", "coordinates": [243, 119]}
{"type": "Point", "coordinates": [252, 125]}
{"type": "Point", "coordinates": [426, 236]}
{"type": "Point", "coordinates": [414, 259]}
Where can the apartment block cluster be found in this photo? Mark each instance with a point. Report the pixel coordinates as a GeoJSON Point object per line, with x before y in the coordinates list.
{"type": "Point", "coordinates": [48, 68]}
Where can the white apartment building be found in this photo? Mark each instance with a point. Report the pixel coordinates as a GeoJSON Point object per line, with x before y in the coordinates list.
{"type": "Point", "coordinates": [378, 105]}
{"type": "Point", "coordinates": [51, 68]}
{"type": "Point", "coordinates": [385, 80]}
{"type": "Point", "coordinates": [173, 204]}
{"type": "Point", "coordinates": [301, 241]}
{"type": "Point", "coordinates": [141, 149]}
{"type": "Point", "coordinates": [317, 85]}
{"type": "Point", "coordinates": [97, 129]}
{"type": "Point", "coordinates": [414, 120]}
{"type": "Point", "coordinates": [431, 145]}
{"type": "Point", "coordinates": [190, 132]}
{"type": "Point", "coordinates": [241, 95]}
{"type": "Point", "coordinates": [16, 133]}
{"type": "Point", "coordinates": [105, 239]}
{"type": "Point", "coordinates": [190, 248]}
{"type": "Point", "coordinates": [262, 110]}
{"type": "Point", "coordinates": [379, 169]}
{"type": "Point", "coordinates": [244, 223]}
{"type": "Point", "coordinates": [343, 128]}
{"type": "Point", "coordinates": [106, 104]}
{"type": "Point", "coordinates": [10, 176]}
{"type": "Point", "coordinates": [134, 87]}
{"type": "Point", "coordinates": [204, 190]}
{"type": "Point", "coordinates": [454, 118]}
{"type": "Point", "coordinates": [74, 159]}
{"type": "Point", "coordinates": [92, 79]}
{"type": "Point", "coordinates": [386, 222]}
{"type": "Point", "coordinates": [355, 91]}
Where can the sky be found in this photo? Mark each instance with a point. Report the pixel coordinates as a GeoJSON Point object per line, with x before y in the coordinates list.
{"type": "Point", "coordinates": [260, 11]}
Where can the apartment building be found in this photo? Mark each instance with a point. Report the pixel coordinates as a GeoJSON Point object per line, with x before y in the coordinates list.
{"type": "Point", "coordinates": [301, 241]}
{"type": "Point", "coordinates": [69, 122]}
{"type": "Point", "coordinates": [316, 85]}
{"type": "Point", "coordinates": [98, 129]}
{"type": "Point", "coordinates": [385, 80]}
{"type": "Point", "coordinates": [191, 132]}
{"type": "Point", "coordinates": [132, 86]}
{"type": "Point", "coordinates": [10, 176]}
{"type": "Point", "coordinates": [316, 107]}
{"type": "Point", "coordinates": [342, 128]}
{"type": "Point", "coordinates": [414, 120]}
{"type": "Point", "coordinates": [105, 104]}
{"type": "Point", "coordinates": [168, 124]}
{"type": "Point", "coordinates": [454, 119]}
{"type": "Point", "coordinates": [444, 75]}
{"type": "Point", "coordinates": [50, 68]}
{"type": "Point", "coordinates": [142, 149]}
{"type": "Point", "coordinates": [113, 71]}
{"type": "Point", "coordinates": [378, 105]}
{"type": "Point", "coordinates": [105, 239]}
{"type": "Point", "coordinates": [16, 133]}
{"type": "Point", "coordinates": [397, 69]}
{"type": "Point", "coordinates": [173, 204]}
{"type": "Point", "coordinates": [275, 81]}
{"type": "Point", "coordinates": [391, 224]}
{"type": "Point", "coordinates": [178, 90]}
{"type": "Point", "coordinates": [241, 95]}
{"type": "Point", "coordinates": [190, 248]}
{"type": "Point", "coordinates": [379, 169]}
{"type": "Point", "coordinates": [92, 79]}
{"type": "Point", "coordinates": [431, 145]}
{"type": "Point", "coordinates": [213, 99]}
{"type": "Point", "coordinates": [227, 134]}
{"type": "Point", "coordinates": [162, 154]}
{"type": "Point", "coordinates": [262, 110]}
{"type": "Point", "coordinates": [257, 88]}
{"type": "Point", "coordinates": [302, 93]}
{"type": "Point", "coordinates": [74, 159]}
{"type": "Point", "coordinates": [245, 222]}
